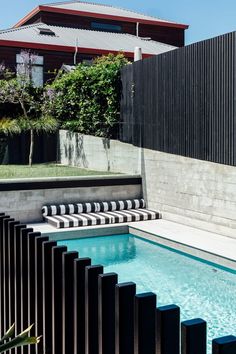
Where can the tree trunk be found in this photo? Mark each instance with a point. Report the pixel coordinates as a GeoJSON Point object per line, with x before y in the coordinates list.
{"type": "Point", "coordinates": [31, 147]}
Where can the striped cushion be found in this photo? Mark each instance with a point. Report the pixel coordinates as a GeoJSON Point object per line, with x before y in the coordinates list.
{"type": "Point", "coordinates": [102, 218]}
{"type": "Point", "coordinates": [94, 207]}
{"type": "Point", "coordinates": [63, 209]}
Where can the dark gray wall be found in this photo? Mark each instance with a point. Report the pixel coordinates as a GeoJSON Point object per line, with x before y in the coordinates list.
{"type": "Point", "coordinates": [45, 149]}
{"type": "Point", "coordinates": [183, 102]}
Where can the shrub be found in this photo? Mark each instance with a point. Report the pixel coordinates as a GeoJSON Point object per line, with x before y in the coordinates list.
{"type": "Point", "coordinates": [87, 100]}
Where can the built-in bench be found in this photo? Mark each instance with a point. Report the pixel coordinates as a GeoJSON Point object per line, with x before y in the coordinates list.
{"type": "Point", "coordinates": [97, 213]}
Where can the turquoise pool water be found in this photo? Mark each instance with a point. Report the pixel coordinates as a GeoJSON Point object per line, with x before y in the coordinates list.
{"type": "Point", "coordinates": [200, 289]}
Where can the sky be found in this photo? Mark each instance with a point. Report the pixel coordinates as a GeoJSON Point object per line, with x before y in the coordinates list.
{"type": "Point", "coordinates": [206, 18]}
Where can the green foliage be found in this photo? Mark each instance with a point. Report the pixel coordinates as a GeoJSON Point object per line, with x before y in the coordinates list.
{"type": "Point", "coordinates": [87, 100]}
{"type": "Point", "coordinates": [8, 341]}
{"type": "Point", "coordinates": [21, 93]}
{"type": "Point", "coordinates": [45, 123]}
{"type": "Point", "coordinates": [9, 126]}
{"type": "Point", "coordinates": [32, 101]}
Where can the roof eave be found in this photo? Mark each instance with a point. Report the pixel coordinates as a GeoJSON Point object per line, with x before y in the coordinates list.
{"type": "Point", "coordinates": [97, 15]}
{"type": "Point", "coordinates": [68, 49]}
{"type": "Point", "coordinates": [28, 16]}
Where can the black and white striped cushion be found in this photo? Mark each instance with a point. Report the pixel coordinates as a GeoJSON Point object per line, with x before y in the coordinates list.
{"type": "Point", "coordinates": [94, 207]}
{"type": "Point", "coordinates": [120, 205]}
{"type": "Point", "coordinates": [102, 218]}
{"type": "Point", "coordinates": [64, 209]}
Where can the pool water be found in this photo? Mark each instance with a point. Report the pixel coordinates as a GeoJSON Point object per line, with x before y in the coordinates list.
{"type": "Point", "coordinates": [201, 289]}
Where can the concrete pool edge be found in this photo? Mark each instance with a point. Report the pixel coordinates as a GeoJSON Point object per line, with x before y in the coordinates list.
{"type": "Point", "coordinates": [138, 229]}
{"type": "Point", "coordinates": [190, 250]}
{"type": "Point", "coordinates": [88, 232]}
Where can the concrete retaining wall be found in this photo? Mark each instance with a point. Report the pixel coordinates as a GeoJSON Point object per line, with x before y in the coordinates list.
{"type": "Point", "coordinates": [98, 154]}
{"type": "Point", "coordinates": [23, 200]}
{"type": "Point", "coordinates": [185, 190]}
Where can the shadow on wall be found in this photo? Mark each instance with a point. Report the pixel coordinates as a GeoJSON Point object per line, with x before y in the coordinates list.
{"type": "Point", "coordinates": [107, 144]}
{"type": "Point", "coordinates": [74, 148]}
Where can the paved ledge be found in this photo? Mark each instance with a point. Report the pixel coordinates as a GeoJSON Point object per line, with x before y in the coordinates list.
{"type": "Point", "coordinates": [203, 244]}
{"type": "Point", "coordinates": [68, 182]}
{"type": "Point", "coordinates": [46, 228]}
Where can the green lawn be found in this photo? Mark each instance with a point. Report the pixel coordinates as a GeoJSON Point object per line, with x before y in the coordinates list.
{"type": "Point", "coordinates": [44, 170]}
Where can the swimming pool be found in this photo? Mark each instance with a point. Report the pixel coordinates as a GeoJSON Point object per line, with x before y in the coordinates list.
{"type": "Point", "coordinates": [200, 288]}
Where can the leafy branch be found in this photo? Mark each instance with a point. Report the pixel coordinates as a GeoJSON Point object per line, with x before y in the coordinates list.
{"type": "Point", "coordinates": [8, 341]}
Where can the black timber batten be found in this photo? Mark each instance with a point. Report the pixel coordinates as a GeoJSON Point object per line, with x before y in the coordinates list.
{"type": "Point", "coordinates": [184, 102]}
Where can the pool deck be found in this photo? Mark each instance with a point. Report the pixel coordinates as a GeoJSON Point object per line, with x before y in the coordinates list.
{"type": "Point", "coordinates": [203, 244]}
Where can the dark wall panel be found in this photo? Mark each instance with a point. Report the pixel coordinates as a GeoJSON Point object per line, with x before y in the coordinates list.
{"type": "Point", "coordinates": [45, 149]}
{"type": "Point", "coordinates": [183, 102]}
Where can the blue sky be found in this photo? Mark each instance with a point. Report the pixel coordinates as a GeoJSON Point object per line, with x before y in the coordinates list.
{"type": "Point", "coordinates": [207, 18]}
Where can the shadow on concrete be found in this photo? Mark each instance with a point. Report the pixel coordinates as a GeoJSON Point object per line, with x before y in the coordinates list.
{"type": "Point", "coordinates": [107, 144]}
{"type": "Point", "coordinates": [74, 149]}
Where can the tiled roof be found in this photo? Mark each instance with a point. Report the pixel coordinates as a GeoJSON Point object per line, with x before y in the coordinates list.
{"type": "Point", "coordinates": [103, 9]}
{"type": "Point", "coordinates": [66, 37]}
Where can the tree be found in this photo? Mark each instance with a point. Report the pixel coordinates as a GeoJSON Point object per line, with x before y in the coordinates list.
{"type": "Point", "coordinates": [31, 100]}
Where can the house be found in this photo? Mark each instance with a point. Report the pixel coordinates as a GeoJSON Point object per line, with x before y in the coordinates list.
{"type": "Point", "coordinates": [75, 31]}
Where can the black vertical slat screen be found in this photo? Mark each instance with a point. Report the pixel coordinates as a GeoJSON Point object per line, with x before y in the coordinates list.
{"type": "Point", "coordinates": [31, 281]}
{"type": "Point", "coordinates": [47, 295]}
{"type": "Point", "coordinates": [57, 308]}
{"type": "Point", "coordinates": [144, 323]}
{"type": "Point", "coordinates": [168, 329]}
{"type": "Point", "coordinates": [68, 301]}
{"type": "Point", "coordinates": [39, 242]}
{"type": "Point", "coordinates": [80, 310]}
{"type": "Point", "coordinates": [184, 101]}
{"type": "Point", "coordinates": [106, 312]}
{"type": "Point", "coordinates": [193, 333]}
{"type": "Point", "coordinates": [11, 270]}
{"type": "Point", "coordinates": [6, 272]}
{"type": "Point", "coordinates": [17, 279]}
{"type": "Point", "coordinates": [91, 308]}
{"type": "Point", "coordinates": [79, 304]}
{"type": "Point", "coordinates": [124, 318]}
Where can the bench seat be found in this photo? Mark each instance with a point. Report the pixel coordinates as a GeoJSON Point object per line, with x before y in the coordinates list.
{"type": "Point", "coordinates": [101, 218]}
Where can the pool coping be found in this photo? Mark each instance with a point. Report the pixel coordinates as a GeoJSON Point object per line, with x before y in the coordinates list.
{"type": "Point", "coordinates": [140, 229]}
{"type": "Point", "coordinates": [182, 247]}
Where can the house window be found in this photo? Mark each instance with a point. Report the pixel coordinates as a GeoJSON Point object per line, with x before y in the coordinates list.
{"type": "Point", "coordinates": [30, 66]}
{"type": "Point", "coordinates": [106, 27]}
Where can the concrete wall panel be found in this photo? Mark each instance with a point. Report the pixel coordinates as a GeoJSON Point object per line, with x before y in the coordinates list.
{"type": "Point", "coordinates": [186, 190]}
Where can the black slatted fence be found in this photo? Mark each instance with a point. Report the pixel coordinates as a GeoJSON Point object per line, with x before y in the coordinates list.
{"type": "Point", "coordinates": [15, 149]}
{"type": "Point", "coordinates": [79, 309]}
{"type": "Point", "coordinates": [184, 101]}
